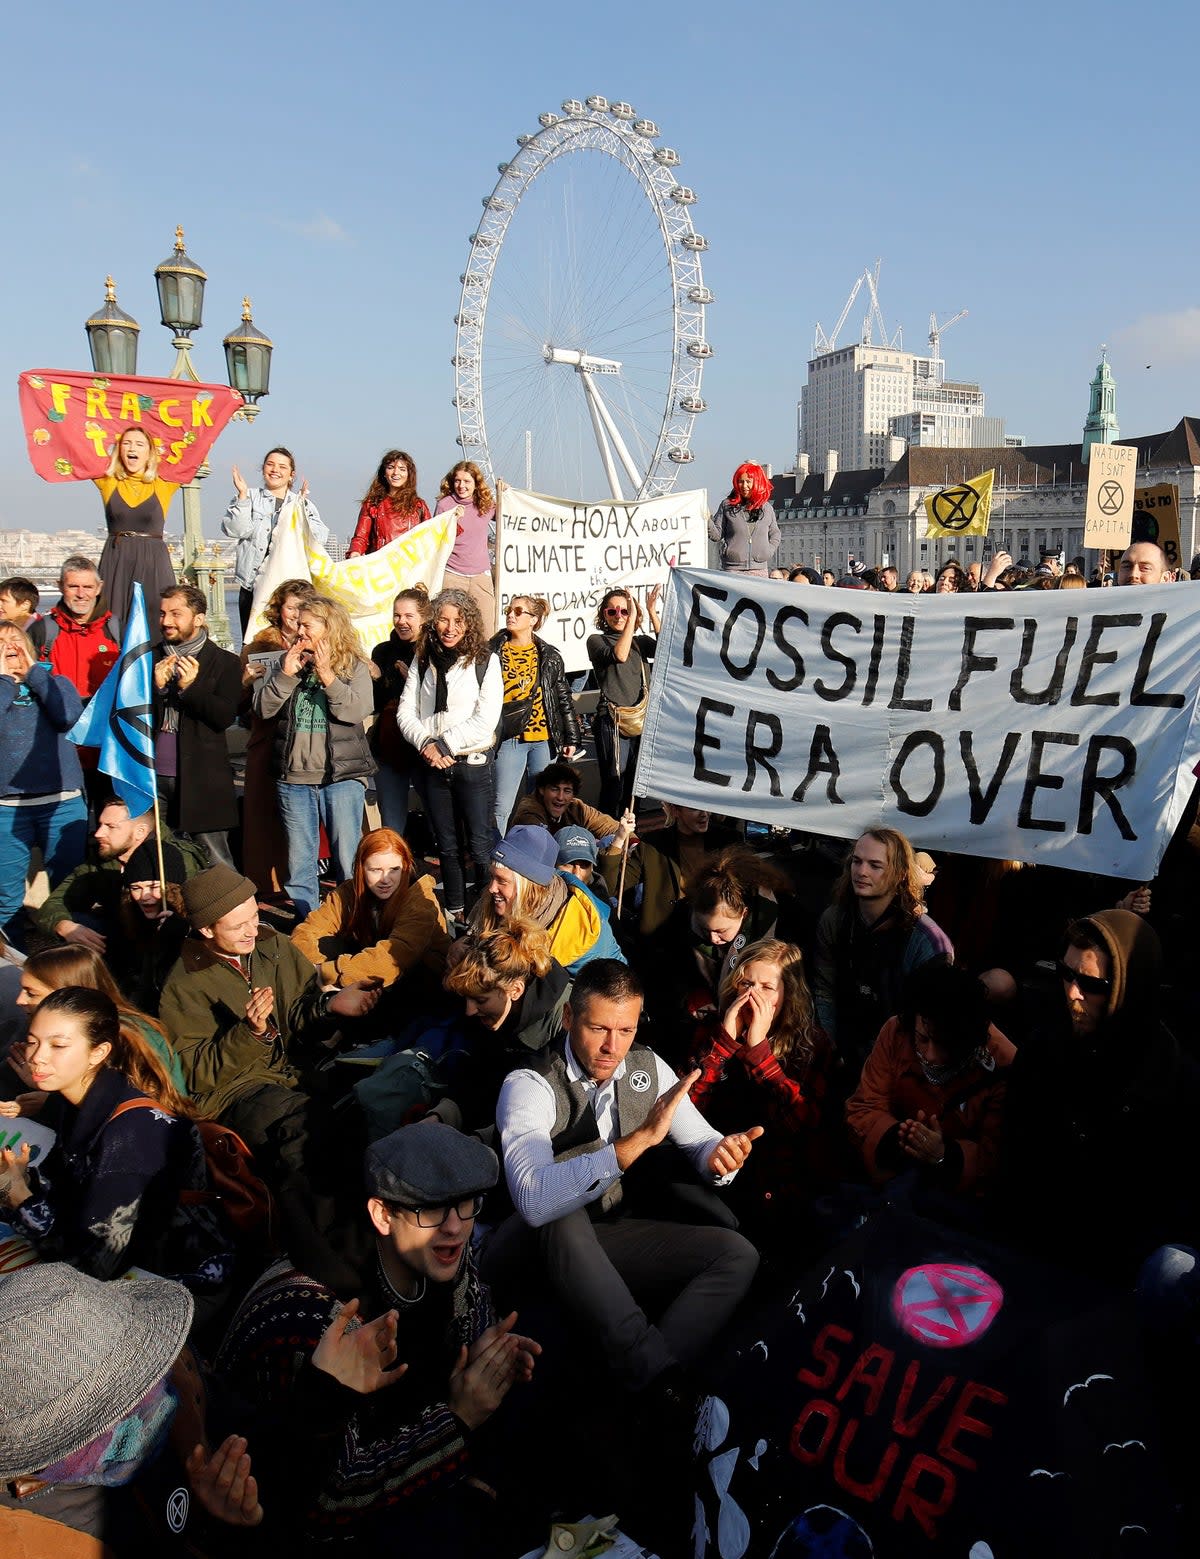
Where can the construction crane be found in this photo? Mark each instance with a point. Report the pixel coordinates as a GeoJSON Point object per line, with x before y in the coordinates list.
{"type": "Point", "coordinates": [827, 343]}
{"type": "Point", "coordinates": [875, 315]}
{"type": "Point", "coordinates": [935, 332]}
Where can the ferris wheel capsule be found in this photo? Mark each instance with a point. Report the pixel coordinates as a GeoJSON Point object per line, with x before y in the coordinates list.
{"type": "Point", "coordinates": [524, 140]}
{"type": "Point", "coordinates": [573, 107]}
{"type": "Point", "coordinates": [547, 120]}
{"type": "Point", "coordinates": [622, 111]}
{"type": "Point", "coordinates": [598, 104]}
{"type": "Point", "coordinates": [683, 196]}
{"type": "Point", "coordinates": [693, 405]}
{"type": "Point", "coordinates": [699, 349]}
{"type": "Point", "coordinates": [667, 157]}
{"type": "Point", "coordinates": [694, 242]}
{"type": "Point", "coordinates": [681, 457]}
{"type": "Point", "coordinates": [646, 128]}
{"type": "Point", "coordinates": [701, 295]}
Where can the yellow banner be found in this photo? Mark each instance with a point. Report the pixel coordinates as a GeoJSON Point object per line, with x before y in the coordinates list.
{"type": "Point", "coordinates": [960, 511]}
{"type": "Point", "coordinates": [365, 586]}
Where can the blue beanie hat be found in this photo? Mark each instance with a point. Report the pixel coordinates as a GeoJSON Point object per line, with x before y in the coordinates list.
{"type": "Point", "coordinates": [529, 850]}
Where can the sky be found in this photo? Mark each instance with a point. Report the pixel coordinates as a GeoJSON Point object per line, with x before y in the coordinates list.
{"type": "Point", "coordinates": [1028, 163]}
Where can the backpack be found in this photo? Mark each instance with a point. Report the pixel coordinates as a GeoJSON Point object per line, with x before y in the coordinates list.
{"type": "Point", "coordinates": [398, 1091]}
{"type": "Point", "coordinates": [235, 1186]}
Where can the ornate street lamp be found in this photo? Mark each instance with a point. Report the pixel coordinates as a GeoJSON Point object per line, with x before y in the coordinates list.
{"type": "Point", "coordinates": [112, 336]}
{"type": "Point", "coordinates": [180, 282]}
{"type": "Point", "coordinates": [248, 360]}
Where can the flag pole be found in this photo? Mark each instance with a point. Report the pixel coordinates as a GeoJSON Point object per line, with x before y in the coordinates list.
{"type": "Point", "coordinates": [162, 872]}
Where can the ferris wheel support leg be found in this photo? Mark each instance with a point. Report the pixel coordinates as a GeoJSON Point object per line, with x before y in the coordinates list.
{"type": "Point", "coordinates": [631, 470]}
{"type": "Point", "coordinates": [597, 409]}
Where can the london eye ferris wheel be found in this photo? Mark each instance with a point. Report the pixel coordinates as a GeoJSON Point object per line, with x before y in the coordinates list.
{"type": "Point", "coordinates": [580, 338]}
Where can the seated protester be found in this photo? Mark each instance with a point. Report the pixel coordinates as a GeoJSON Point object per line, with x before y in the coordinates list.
{"type": "Point", "coordinates": [658, 867]}
{"type": "Point", "coordinates": [56, 968]}
{"type": "Point", "coordinates": [733, 901]}
{"type": "Point", "coordinates": [246, 1012]}
{"type": "Point", "coordinates": [581, 1127]}
{"type": "Point", "coordinates": [102, 1394]}
{"type": "Point", "coordinates": [554, 802]}
{"type": "Point", "coordinates": [1098, 1163]}
{"type": "Point", "coordinates": [370, 1436]}
{"type": "Point", "coordinates": [513, 993]}
{"type": "Point", "coordinates": [126, 1183]}
{"type": "Point", "coordinates": [869, 940]}
{"type": "Point", "coordinates": [152, 929]}
{"type": "Point", "coordinates": [384, 924]}
{"type": "Point", "coordinates": [525, 881]}
{"type": "Point", "coordinates": [931, 1095]}
{"type": "Point", "coordinates": [85, 906]}
{"type": "Point", "coordinates": [765, 1058]}
{"type": "Point", "coordinates": [576, 861]}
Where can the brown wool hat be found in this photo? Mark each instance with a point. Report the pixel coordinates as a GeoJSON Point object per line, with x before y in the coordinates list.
{"type": "Point", "coordinates": [213, 893]}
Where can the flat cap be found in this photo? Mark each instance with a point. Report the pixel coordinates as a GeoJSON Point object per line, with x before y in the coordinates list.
{"type": "Point", "coordinates": [429, 1164]}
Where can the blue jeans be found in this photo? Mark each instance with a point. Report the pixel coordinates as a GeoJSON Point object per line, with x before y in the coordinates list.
{"type": "Point", "coordinates": [462, 795]}
{"type": "Point", "coordinates": [302, 807]}
{"type": "Point", "coordinates": [516, 761]}
{"type": "Point", "coordinates": [58, 827]}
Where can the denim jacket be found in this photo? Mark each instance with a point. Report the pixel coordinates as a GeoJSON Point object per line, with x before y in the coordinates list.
{"type": "Point", "coordinates": [250, 521]}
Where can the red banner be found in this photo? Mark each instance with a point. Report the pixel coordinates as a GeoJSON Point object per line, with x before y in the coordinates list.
{"type": "Point", "coordinates": [73, 421]}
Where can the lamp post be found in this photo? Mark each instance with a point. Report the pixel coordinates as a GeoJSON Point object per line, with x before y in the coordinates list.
{"type": "Point", "coordinates": [112, 340]}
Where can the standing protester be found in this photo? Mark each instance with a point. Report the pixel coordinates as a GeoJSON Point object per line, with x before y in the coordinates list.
{"type": "Point", "coordinates": [744, 526]}
{"type": "Point", "coordinates": [1143, 563]}
{"type": "Point", "coordinates": [869, 940]}
{"type": "Point", "coordinates": [19, 605]}
{"type": "Point", "coordinates": [197, 687]}
{"type": "Point", "coordinates": [620, 658]}
{"type": "Point", "coordinates": [392, 506]}
{"type": "Point", "coordinates": [41, 783]}
{"type": "Point", "coordinates": [264, 843]}
{"type": "Point", "coordinates": [136, 500]}
{"type": "Point", "coordinates": [250, 519]}
{"type": "Point", "coordinates": [538, 720]}
{"type": "Point", "coordinates": [450, 714]}
{"type": "Point", "coordinates": [321, 690]}
{"type": "Point", "coordinates": [82, 638]}
{"type": "Point", "coordinates": [465, 491]}
{"type": "Point", "coordinates": [400, 765]}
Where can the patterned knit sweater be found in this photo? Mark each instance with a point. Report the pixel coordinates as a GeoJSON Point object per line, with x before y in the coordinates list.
{"type": "Point", "coordinates": [340, 1460]}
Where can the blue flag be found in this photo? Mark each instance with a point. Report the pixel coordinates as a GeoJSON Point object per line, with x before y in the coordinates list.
{"type": "Point", "coordinates": [119, 719]}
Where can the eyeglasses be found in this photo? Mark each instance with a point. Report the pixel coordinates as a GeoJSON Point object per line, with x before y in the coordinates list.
{"type": "Point", "coordinates": [1089, 984]}
{"type": "Point", "coordinates": [616, 611]}
{"type": "Point", "coordinates": [435, 1217]}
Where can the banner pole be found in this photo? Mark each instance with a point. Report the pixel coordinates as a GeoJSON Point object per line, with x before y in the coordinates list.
{"type": "Point", "coordinates": [162, 871]}
{"type": "Point", "coordinates": [621, 878]}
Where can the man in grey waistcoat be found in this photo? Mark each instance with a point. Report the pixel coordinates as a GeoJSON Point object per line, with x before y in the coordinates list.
{"type": "Point", "coordinates": [572, 1124]}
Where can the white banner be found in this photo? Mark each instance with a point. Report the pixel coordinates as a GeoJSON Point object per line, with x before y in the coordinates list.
{"type": "Point", "coordinates": [571, 553]}
{"type": "Point", "coordinates": [1049, 725]}
{"type": "Point", "coordinates": [365, 586]}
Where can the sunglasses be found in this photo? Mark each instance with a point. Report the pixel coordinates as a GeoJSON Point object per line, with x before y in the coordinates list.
{"type": "Point", "coordinates": [616, 611]}
{"type": "Point", "coordinates": [1089, 984]}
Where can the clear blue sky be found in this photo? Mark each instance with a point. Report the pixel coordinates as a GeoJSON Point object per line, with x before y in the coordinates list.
{"type": "Point", "coordinates": [1028, 162]}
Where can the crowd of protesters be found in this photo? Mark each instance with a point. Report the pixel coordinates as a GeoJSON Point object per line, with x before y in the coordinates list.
{"type": "Point", "coordinates": [445, 1148]}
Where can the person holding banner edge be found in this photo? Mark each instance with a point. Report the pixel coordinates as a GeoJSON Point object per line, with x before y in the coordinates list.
{"type": "Point", "coordinates": [252, 516]}
{"type": "Point", "coordinates": [620, 658]}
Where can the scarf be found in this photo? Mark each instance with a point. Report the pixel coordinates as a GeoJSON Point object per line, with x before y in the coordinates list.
{"type": "Point", "coordinates": [170, 710]}
{"type": "Point", "coordinates": [940, 1076]}
{"type": "Point", "coordinates": [442, 659]}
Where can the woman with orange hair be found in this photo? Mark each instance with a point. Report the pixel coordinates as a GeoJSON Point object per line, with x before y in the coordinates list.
{"type": "Point", "coordinates": [382, 924]}
{"type": "Point", "coordinates": [744, 526]}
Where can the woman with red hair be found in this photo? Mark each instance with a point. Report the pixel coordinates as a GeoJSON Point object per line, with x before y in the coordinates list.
{"type": "Point", "coordinates": [382, 924]}
{"type": "Point", "coordinates": [744, 526]}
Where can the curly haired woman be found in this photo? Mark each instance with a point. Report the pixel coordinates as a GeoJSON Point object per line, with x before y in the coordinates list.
{"type": "Point", "coordinates": [469, 567]}
{"type": "Point", "coordinates": [392, 506]}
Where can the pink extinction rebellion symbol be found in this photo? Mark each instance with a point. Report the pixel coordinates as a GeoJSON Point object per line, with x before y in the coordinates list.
{"type": "Point", "coordinates": [946, 1306]}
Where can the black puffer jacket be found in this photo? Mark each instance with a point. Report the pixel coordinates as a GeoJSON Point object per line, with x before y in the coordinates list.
{"type": "Point", "coordinates": [556, 695]}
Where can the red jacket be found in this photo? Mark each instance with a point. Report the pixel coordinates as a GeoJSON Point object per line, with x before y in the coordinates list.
{"type": "Point", "coordinates": [969, 1108]}
{"type": "Point", "coordinates": [378, 523]}
{"type": "Point", "coordinates": [83, 652]}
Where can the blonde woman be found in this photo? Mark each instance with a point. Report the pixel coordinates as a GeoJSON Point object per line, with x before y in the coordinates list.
{"type": "Point", "coordinates": [321, 690]}
{"type": "Point", "coordinates": [537, 722]}
{"type": "Point", "coordinates": [136, 500]}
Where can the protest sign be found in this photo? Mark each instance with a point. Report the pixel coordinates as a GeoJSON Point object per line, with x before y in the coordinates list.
{"type": "Point", "coordinates": [1108, 515]}
{"type": "Point", "coordinates": [365, 586]}
{"type": "Point", "coordinates": [570, 553]}
{"type": "Point", "coordinates": [1156, 518]}
{"type": "Point", "coordinates": [1033, 726]}
{"type": "Point", "coordinates": [18, 1131]}
{"type": "Point", "coordinates": [73, 421]}
{"type": "Point", "coordinates": [961, 511]}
